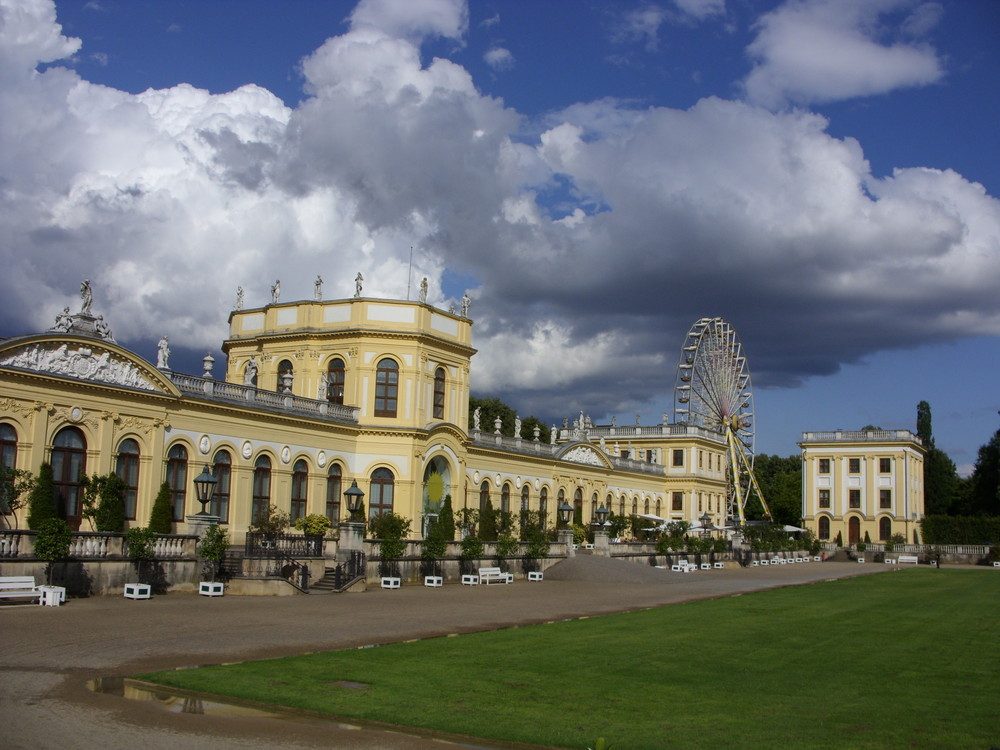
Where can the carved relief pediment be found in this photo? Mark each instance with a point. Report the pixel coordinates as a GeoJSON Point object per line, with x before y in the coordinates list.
{"type": "Point", "coordinates": [585, 454]}
{"type": "Point", "coordinates": [82, 361]}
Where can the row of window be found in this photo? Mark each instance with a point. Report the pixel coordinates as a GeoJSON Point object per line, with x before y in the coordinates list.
{"type": "Point", "coordinates": [69, 464]}
{"type": "Point", "coordinates": [854, 465]}
{"type": "Point", "coordinates": [854, 529]}
{"type": "Point", "coordinates": [386, 385]}
{"type": "Point", "coordinates": [854, 498]}
{"type": "Point", "coordinates": [543, 501]}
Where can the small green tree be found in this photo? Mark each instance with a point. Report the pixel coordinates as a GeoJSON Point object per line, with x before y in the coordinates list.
{"type": "Point", "coordinates": [15, 488]}
{"type": "Point", "coordinates": [212, 548]}
{"type": "Point", "coordinates": [271, 523]}
{"type": "Point", "coordinates": [468, 521]}
{"type": "Point", "coordinates": [537, 549]}
{"type": "Point", "coordinates": [313, 524]}
{"type": "Point", "coordinates": [488, 523]}
{"type": "Point", "coordinates": [391, 530]}
{"type": "Point", "coordinates": [506, 547]}
{"type": "Point", "coordinates": [446, 521]}
{"type": "Point", "coordinates": [104, 502]}
{"type": "Point", "coordinates": [140, 546]}
{"type": "Point", "coordinates": [52, 543]}
{"type": "Point", "coordinates": [435, 547]}
{"type": "Point", "coordinates": [42, 500]}
{"type": "Point", "coordinates": [472, 549]}
{"type": "Point", "coordinates": [161, 517]}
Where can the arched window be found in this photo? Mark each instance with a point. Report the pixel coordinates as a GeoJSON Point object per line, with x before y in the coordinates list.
{"type": "Point", "coordinates": [645, 506]}
{"type": "Point", "coordinates": [658, 506]}
{"type": "Point", "coordinates": [439, 393]}
{"type": "Point", "coordinates": [69, 462]}
{"type": "Point", "coordinates": [285, 368]}
{"type": "Point", "coordinates": [578, 507]}
{"type": "Point", "coordinates": [261, 502]}
{"type": "Point", "coordinates": [127, 469]}
{"type": "Point", "coordinates": [386, 388]}
{"type": "Point", "coordinates": [222, 470]}
{"type": "Point", "coordinates": [381, 493]}
{"type": "Point", "coordinates": [300, 487]}
{"type": "Point", "coordinates": [635, 505]}
{"type": "Point", "coordinates": [525, 492]}
{"type": "Point", "coordinates": [884, 529]}
{"type": "Point", "coordinates": [8, 446]}
{"type": "Point", "coordinates": [333, 485]}
{"type": "Point", "coordinates": [621, 506]}
{"type": "Point", "coordinates": [824, 527]}
{"type": "Point", "coordinates": [484, 495]}
{"type": "Point", "coordinates": [177, 466]}
{"type": "Point", "coordinates": [543, 506]}
{"type": "Point", "coordinates": [505, 498]}
{"type": "Point", "coordinates": [593, 508]}
{"type": "Point", "coordinates": [335, 378]}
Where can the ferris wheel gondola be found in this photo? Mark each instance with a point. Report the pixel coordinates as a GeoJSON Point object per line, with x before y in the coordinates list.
{"type": "Point", "coordinates": [713, 390]}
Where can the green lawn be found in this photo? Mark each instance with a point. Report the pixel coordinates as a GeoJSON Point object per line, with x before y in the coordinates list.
{"type": "Point", "coordinates": [904, 659]}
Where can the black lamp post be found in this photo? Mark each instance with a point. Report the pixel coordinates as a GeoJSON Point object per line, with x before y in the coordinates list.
{"type": "Point", "coordinates": [706, 523]}
{"type": "Point", "coordinates": [204, 486]}
{"type": "Point", "coordinates": [602, 515]}
{"type": "Point", "coordinates": [354, 497]}
{"type": "Point", "coordinates": [565, 512]}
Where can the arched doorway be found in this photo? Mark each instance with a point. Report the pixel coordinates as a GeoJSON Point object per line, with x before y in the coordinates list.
{"type": "Point", "coordinates": [853, 530]}
{"type": "Point", "coordinates": [436, 484]}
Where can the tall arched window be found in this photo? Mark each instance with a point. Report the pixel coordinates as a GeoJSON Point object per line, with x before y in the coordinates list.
{"type": "Point", "coordinates": [824, 527]}
{"type": "Point", "coordinates": [335, 379]}
{"type": "Point", "coordinates": [386, 388]}
{"type": "Point", "coordinates": [635, 505]}
{"type": "Point", "coordinates": [658, 506]}
{"type": "Point", "coordinates": [484, 495]}
{"type": "Point", "coordinates": [285, 368]}
{"type": "Point", "coordinates": [8, 446]}
{"type": "Point", "coordinates": [300, 488]}
{"type": "Point", "coordinates": [177, 465]}
{"type": "Point", "coordinates": [621, 506]}
{"type": "Point", "coordinates": [884, 529]}
{"type": "Point", "coordinates": [222, 470]}
{"type": "Point", "coordinates": [593, 508]}
{"type": "Point", "coordinates": [333, 485]}
{"type": "Point", "coordinates": [382, 487]}
{"type": "Point", "coordinates": [525, 492]}
{"type": "Point", "coordinates": [127, 469]}
{"type": "Point", "coordinates": [439, 393]}
{"type": "Point", "coordinates": [505, 498]}
{"type": "Point", "coordinates": [645, 506]}
{"type": "Point", "coordinates": [261, 502]}
{"type": "Point", "coordinates": [578, 507]}
{"type": "Point", "coordinates": [543, 506]}
{"type": "Point", "coordinates": [69, 462]}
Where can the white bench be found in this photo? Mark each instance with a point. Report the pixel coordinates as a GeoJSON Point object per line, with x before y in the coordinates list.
{"type": "Point", "coordinates": [391, 582]}
{"type": "Point", "coordinates": [211, 588]}
{"type": "Point", "coordinates": [19, 587]}
{"type": "Point", "coordinates": [138, 591]}
{"type": "Point", "coordinates": [434, 582]}
{"type": "Point", "coordinates": [470, 579]}
{"type": "Point", "coordinates": [908, 560]}
{"type": "Point", "coordinates": [494, 575]}
{"type": "Point", "coordinates": [535, 575]}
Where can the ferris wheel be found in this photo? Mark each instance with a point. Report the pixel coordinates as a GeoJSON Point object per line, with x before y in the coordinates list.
{"type": "Point", "coordinates": [713, 391]}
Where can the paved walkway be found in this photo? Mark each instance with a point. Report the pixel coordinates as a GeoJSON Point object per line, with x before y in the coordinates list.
{"type": "Point", "coordinates": [50, 654]}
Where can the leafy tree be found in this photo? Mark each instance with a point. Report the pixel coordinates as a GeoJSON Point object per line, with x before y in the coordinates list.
{"type": "Point", "coordinates": [780, 481]}
{"type": "Point", "coordinates": [271, 523]}
{"type": "Point", "coordinates": [104, 502]}
{"type": "Point", "coordinates": [52, 543]}
{"type": "Point", "coordinates": [983, 497]}
{"type": "Point", "coordinates": [42, 500]}
{"type": "Point", "coordinates": [391, 530]}
{"type": "Point", "coordinates": [528, 429]}
{"type": "Point", "coordinates": [140, 545]}
{"type": "Point", "coordinates": [314, 524]}
{"type": "Point", "coordinates": [213, 547]}
{"type": "Point", "coordinates": [488, 523]}
{"type": "Point", "coordinates": [468, 520]}
{"type": "Point", "coordinates": [507, 546]}
{"type": "Point", "coordinates": [619, 525]}
{"type": "Point", "coordinates": [15, 489]}
{"type": "Point", "coordinates": [472, 549]}
{"type": "Point", "coordinates": [161, 518]}
{"type": "Point", "coordinates": [446, 520]}
{"type": "Point", "coordinates": [941, 480]}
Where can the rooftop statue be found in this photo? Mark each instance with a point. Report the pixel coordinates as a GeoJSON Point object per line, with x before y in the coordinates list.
{"type": "Point", "coordinates": [104, 330]}
{"type": "Point", "coordinates": [423, 290]}
{"type": "Point", "coordinates": [63, 321]}
{"type": "Point", "coordinates": [276, 291]}
{"type": "Point", "coordinates": [87, 295]}
{"type": "Point", "coordinates": [358, 281]}
{"type": "Point", "coordinates": [318, 288]}
{"type": "Point", "coordinates": [466, 302]}
{"type": "Point", "coordinates": [163, 354]}
{"type": "Point", "coordinates": [239, 298]}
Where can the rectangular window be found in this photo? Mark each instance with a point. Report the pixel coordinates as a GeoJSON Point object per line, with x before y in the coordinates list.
{"type": "Point", "coordinates": [854, 465]}
{"type": "Point", "coordinates": [824, 466]}
{"type": "Point", "coordinates": [854, 498]}
{"type": "Point", "coordinates": [885, 498]}
{"type": "Point", "coordinates": [824, 498]}
{"type": "Point", "coordinates": [678, 457]}
{"type": "Point", "coordinates": [701, 456]}
{"type": "Point", "coordinates": [677, 501]}
{"type": "Point", "coordinates": [885, 466]}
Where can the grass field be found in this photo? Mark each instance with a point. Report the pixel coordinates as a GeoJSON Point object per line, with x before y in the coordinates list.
{"type": "Point", "coordinates": [904, 659]}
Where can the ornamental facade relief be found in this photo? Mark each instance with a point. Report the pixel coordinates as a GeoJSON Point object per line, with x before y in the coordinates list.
{"type": "Point", "coordinates": [81, 363]}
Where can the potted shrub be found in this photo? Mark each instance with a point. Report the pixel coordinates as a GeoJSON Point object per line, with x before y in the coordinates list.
{"type": "Point", "coordinates": [139, 543]}
{"type": "Point", "coordinates": [52, 544]}
{"type": "Point", "coordinates": [212, 549]}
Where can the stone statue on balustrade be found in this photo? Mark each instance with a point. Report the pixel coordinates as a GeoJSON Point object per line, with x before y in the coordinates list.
{"type": "Point", "coordinates": [318, 288]}
{"type": "Point", "coordinates": [358, 281]}
{"type": "Point", "coordinates": [239, 298]}
{"type": "Point", "coordinates": [476, 417]}
{"type": "Point", "coordinates": [466, 303]}
{"type": "Point", "coordinates": [517, 425]}
{"type": "Point", "coordinates": [423, 289]}
{"type": "Point", "coordinates": [163, 354]}
{"type": "Point", "coordinates": [276, 292]}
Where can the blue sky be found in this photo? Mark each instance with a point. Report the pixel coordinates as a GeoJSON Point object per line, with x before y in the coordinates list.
{"type": "Point", "coordinates": [598, 176]}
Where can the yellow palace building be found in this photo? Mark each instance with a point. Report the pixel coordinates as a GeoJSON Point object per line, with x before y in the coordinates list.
{"type": "Point", "coordinates": [316, 395]}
